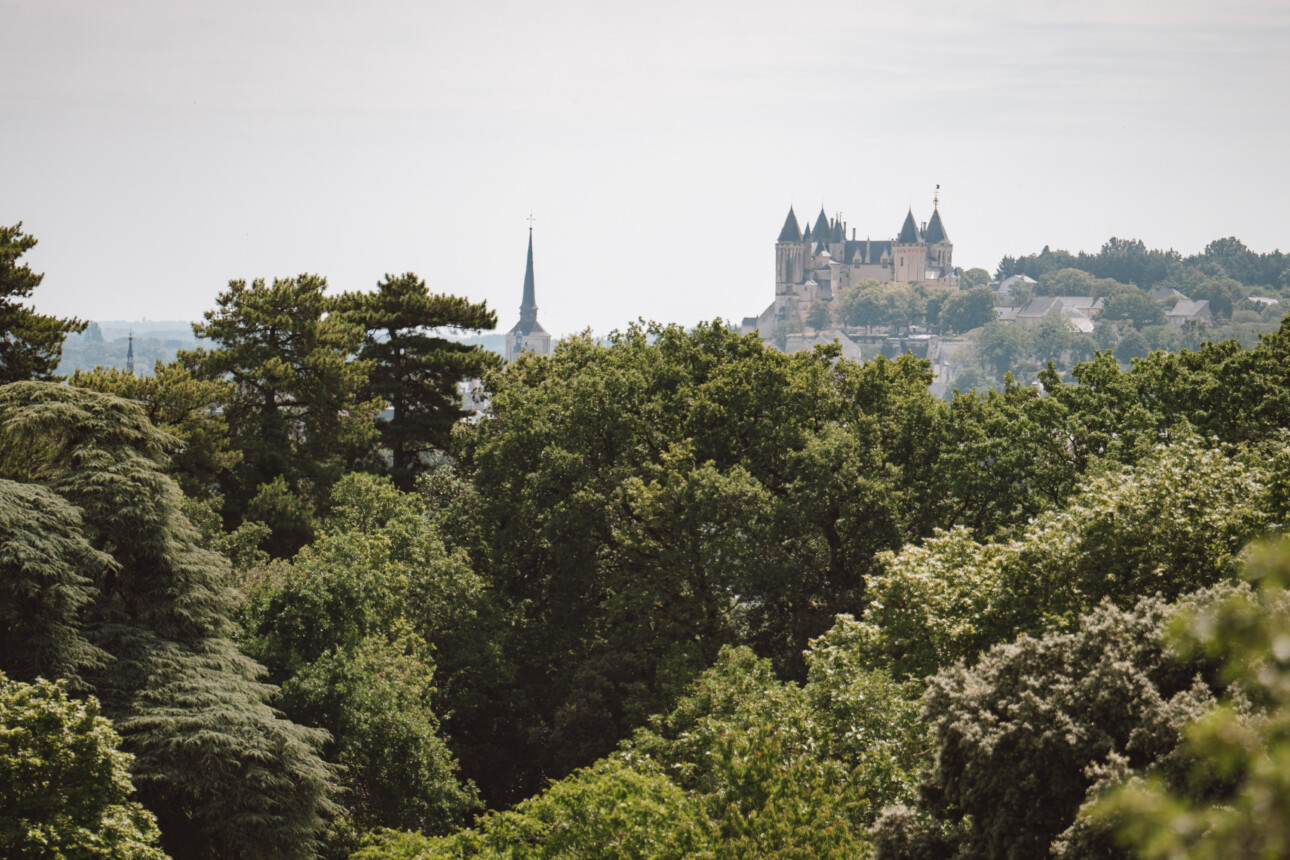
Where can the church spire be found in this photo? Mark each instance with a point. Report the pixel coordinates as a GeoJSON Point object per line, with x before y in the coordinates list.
{"type": "Point", "coordinates": [528, 324]}
{"type": "Point", "coordinates": [528, 306]}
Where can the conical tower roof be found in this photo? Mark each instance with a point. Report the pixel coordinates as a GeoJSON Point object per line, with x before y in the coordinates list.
{"type": "Point", "coordinates": [822, 228]}
{"type": "Point", "coordinates": [935, 229]}
{"type": "Point", "coordinates": [909, 231]}
{"type": "Point", "coordinates": [791, 232]}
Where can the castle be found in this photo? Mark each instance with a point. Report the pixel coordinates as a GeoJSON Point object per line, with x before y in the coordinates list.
{"type": "Point", "coordinates": [528, 335]}
{"type": "Point", "coordinates": [818, 264]}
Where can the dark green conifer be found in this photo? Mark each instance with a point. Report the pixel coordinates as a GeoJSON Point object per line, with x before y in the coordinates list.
{"type": "Point", "coordinates": [225, 775]}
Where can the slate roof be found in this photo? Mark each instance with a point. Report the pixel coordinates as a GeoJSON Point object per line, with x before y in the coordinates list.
{"type": "Point", "coordinates": [1042, 306]}
{"type": "Point", "coordinates": [791, 232]}
{"type": "Point", "coordinates": [822, 230]}
{"type": "Point", "coordinates": [528, 323]}
{"type": "Point", "coordinates": [853, 251]}
{"type": "Point", "coordinates": [909, 232]}
{"type": "Point", "coordinates": [1164, 294]}
{"type": "Point", "coordinates": [1190, 309]}
{"type": "Point", "coordinates": [935, 229]}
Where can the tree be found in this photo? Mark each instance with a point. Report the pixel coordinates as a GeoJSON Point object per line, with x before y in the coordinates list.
{"type": "Point", "coordinates": [1027, 734]}
{"type": "Point", "coordinates": [974, 278]}
{"type": "Point", "coordinates": [224, 774]}
{"type": "Point", "coordinates": [64, 784]}
{"type": "Point", "coordinates": [1052, 337]}
{"type": "Point", "coordinates": [610, 809]}
{"type": "Point", "coordinates": [1221, 293]}
{"type": "Point", "coordinates": [1003, 346]}
{"type": "Point", "coordinates": [47, 571]}
{"type": "Point", "coordinates": [296, 411]}
{"type": "Point", "coordinates": [1246, 813]}
{"type": "Point", "coordinates": [1133, 344]}
{"type": "Point", "coordinates": [375, 701]}
{"type": "Point", "coordinates": [968, 309]}
{"type": "Point", "coordinates": [819, 316]}
{"type": "Point", "coordinates": [641, 502]}
{"type": "Point", "coordinates": [190, 408]}
{"type": "Point", "coordinates": [348, 628]}
{"type": "Point", "coordinates": [1135, 306]}
{"type": "Point", "coordinates": [861, 304]}
{"type": "Point", "coordinates": [31, 344]}
{"type": "Point", "coordinates": [1135, 531]}
{"type": "Point", "coordinates": [414, 370]}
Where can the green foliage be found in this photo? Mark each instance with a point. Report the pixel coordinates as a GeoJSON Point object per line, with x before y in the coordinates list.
{"type": "Point", "coordinates": [608, 810]}
{"type": "Point", "coordinates": [1170, 525]}
{"type": "Point", "coordinates": [187, 407]}
{"type": "Point", "coordinates": [1135, 307]}
{"type": "Point", "coordinates": [31, 344]}
{"type": "Point", "coordinates": [967, 309]}
{"type": "Point", "coordinates": [1025, 735]}
{"type": "Point", "coordinates": [64, 785]}
{"type": "Point", "coordinates": [375, 700]}
{"type": "Point", "coordinates": [1248, 751]}
{"type": "Point", "coordinates": [1221, 293]}
{"type": "Point", "coordinates": [413, 370]}
{"type": "Point", "coordinates": [344, 628]}
{"type": "Point", "coordinates": [974, 278]}
{"type": "Point", "coordinates": [223, 773]}
{"type": "Point", "coordinates": [295, 411]}
{"type": "Point", "coordinates": [773, 761]}
{"type": "Point", "coordinates": [819, 316]}
{"type": "Point", "coordinates": [47, 571]}
{"type": "Point", "coordinates": [870, 303]}
{"type": "Point", "coordinates": [1223, 390]}
{"type": "Point", "coordinates": [639, 504]}
{"type": "Point", "coordinates": [1003, 346]}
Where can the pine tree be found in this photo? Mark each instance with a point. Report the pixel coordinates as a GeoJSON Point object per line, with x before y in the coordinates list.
{"type": "Point", "coordinates": [413, 370]}
{"type": "Point", "coordinates": [31, 344]}
{"type": "Point", "coordinates": [295, 412]}
{"type": "Point", "coordinates": [44, 562]}
{"type": "Point", "coordinates": [225, 775]}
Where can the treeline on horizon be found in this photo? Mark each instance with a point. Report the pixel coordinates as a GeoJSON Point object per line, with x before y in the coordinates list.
{"type": "Point", "coordinates": [675, 595]}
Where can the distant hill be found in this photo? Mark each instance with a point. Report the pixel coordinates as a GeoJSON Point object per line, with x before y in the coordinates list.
{"type": "Point", "coordinates": [105, 342]}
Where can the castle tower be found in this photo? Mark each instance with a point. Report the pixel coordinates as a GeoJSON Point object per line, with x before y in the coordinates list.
{"type": "Point", "coordinates": [790, 256]}
{"type": "Point", "coordinates": [528, 335]}
{"type": "Point", "coordinates": [940, 250]}
{"type": "Point", "coordinates": [909, 253]}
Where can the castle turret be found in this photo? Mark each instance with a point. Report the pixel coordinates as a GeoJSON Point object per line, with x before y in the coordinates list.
{"type": "Point", "coordinates": [940, 250]}
{"type": "Point", "coordinates": [790, 256]}
{"type": "Point", "coordinates": [909, 253]}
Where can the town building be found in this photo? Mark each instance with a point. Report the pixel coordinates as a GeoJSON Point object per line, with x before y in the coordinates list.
{"type": "Point", "coordinates": [528, 335]}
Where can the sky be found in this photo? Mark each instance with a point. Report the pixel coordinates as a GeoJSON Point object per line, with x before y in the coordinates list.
{"type": "Point", "coordinates": [159, 149]}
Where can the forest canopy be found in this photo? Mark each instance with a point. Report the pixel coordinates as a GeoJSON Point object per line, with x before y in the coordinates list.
{"type": "Point", "coordinates": [674, 594]}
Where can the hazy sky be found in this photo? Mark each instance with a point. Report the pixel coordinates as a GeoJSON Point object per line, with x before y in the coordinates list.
{"type": "Point", "coordinates": [159, 149]}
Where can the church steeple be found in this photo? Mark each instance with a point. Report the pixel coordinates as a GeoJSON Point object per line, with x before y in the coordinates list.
{"type": "Point", "coordinates": [528, 334]}
{"type": "Point", "coordinates": [528, 306]}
